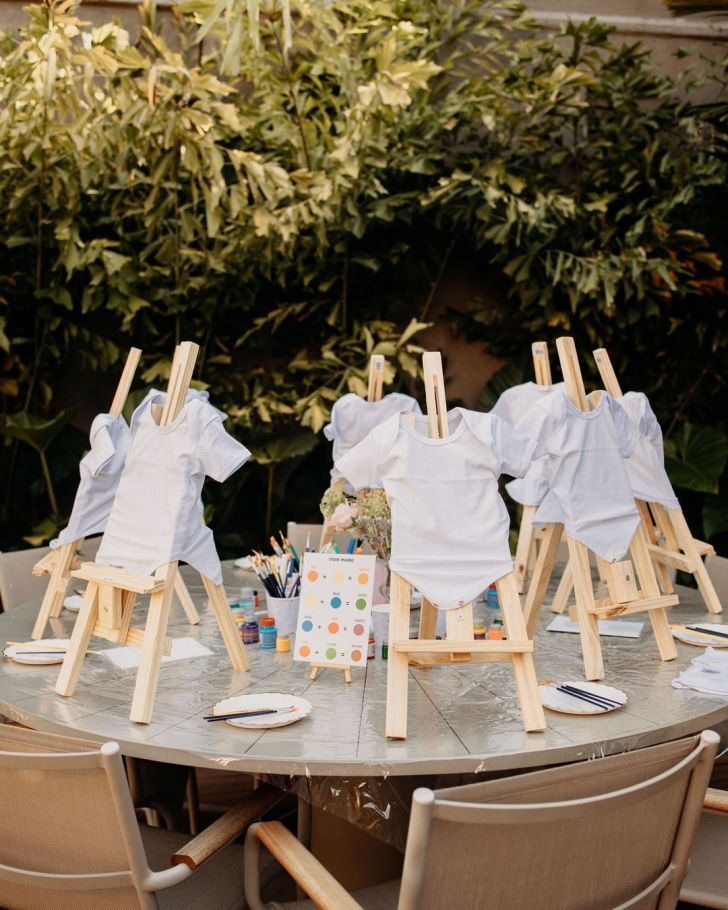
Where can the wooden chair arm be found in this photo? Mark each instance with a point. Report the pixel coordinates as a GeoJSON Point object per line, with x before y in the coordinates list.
{"type": "Point", "coordinates": [716, 800]}
{"type": "Point", "coordinates": [318, 883]}
{"type": "Point", "coordinates": [226, 828]}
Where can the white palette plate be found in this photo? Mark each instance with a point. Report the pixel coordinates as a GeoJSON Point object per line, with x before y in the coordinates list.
{"type": "Point", "coordinates": [73, 602]}
{"type": "Point", "coordinates": [554, 700]}
{"type": "Point", "coordinates": [698, 638]}
{"type": "Point", "coordinates": [262, 700]}
{"type": "Point", "coordinates": [38, 659]}
{"type": "Point", "coordinates": [243, 563]}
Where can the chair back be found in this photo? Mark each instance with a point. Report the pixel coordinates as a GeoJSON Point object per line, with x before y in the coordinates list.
{"type": "Point", "coordinates": [610, 833]}
{"type": "Point", "coordinates": [717, 567]}
{"type": "Point", "coordinates": [18, 585]}
{"type": "Point", "coordinates": [297, 535]}
{"type": "Point", "coordinates": [70, 840]}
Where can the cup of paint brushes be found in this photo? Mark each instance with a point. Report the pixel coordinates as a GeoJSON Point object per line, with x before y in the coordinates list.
{"type": "Point", "coordinates": [285, 612]}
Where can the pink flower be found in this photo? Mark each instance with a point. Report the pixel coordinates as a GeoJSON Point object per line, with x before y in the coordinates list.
{"type": "Point", "coordinates": [343, 517]}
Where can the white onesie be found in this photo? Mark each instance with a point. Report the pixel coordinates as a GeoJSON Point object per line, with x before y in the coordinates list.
{"type": "Point", "coordinates": [589, 487]}
{"type": "Point", "coordinates": [352, 418]}
{"type": "Point", "coordinates": [646, 465]}
{"type": "Point", "coordinates": [155, 518]}
{"type": "Point", "coordinates": [100, 471]}
{"type": "Point", "coordinates": [512, 406]}
{"type": "Point", "coordinates": [449, 523]}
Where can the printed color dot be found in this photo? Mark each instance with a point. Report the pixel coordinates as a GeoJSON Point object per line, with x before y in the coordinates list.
{"type": "Point", "coordinates": [338, 576]}
{"type": "Point", "coordinates": [312, 575]}
{"type": "Point", "coordinates": [363, 578]}
{"type": "Point", "coordinates": [336, 602]}
{"type": "Point", "coordinates": [304, 650]}
{"type": "Point", "coordinates": [333, 627]}
{"type": "Point", "coordinates": [331, 653]}
{"type": "Point", "coordinates": [307, 625]}
{"type": "Point", "coordinates": [309, 600]}
{"type": "Point", "coordinates": [355, 655]}
{"type": "Point", "coordinates": [358, 629]}
{"type": "Point", "coordinates": [361, 603]}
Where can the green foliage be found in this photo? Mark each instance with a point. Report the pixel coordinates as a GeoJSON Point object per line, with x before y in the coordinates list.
{"type": "Point", "coordinates": [294, 210]}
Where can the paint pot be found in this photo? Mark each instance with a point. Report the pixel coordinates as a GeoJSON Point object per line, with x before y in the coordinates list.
{"type": "Point", "coordinates": [268, 633]}
{"type": "Point", "coordinates": [283, 644]}
{"type": "Point", "coordinates": [479, 633]}
{"type": "Point", "coordinates": [250, 631]}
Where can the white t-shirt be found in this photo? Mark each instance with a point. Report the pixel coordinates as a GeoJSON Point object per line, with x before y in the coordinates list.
{"type": "Point", "coordinates": [100, 471]}
{"type": "Point", "coordinates": [156, 518]}
{"type": "Point", "coordinates": [352, 418]}
{"type": "Point", "coordinates": [512, 406]}
{"type": "Point", "coordinates": [646, 465]}
{"type": "Point", "coordinates": [589, 490]}
{"type": "Point", "coordinates": [449, 523]}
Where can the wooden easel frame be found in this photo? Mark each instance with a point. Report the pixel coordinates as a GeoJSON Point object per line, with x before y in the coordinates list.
{"type": "Point", "coordinates": [59, 563]}
{"type": "Point", "coordinates": [528, 537]}
{"type": "Point", "coordinates": [375, 390]}
{"type": "Point", "coordinates": [460, 645]}
{"type": "Point", "coordinates": [621, 577]}
{"type": "Point", "coordinates": [669, 538]}
{"type": "Point", "coordinates": [111, 593]}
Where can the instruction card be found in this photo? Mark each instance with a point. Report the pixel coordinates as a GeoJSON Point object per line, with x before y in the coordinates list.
{"type": "Point", "coordinates": [336, 602]}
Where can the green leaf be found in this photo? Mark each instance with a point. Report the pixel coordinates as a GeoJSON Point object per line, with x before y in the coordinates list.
{"type": "Point", "coordinates": [35, 431]}
{"type": "Point", "coordinates": [507, 376]}
{"type": "Point", "coordinates": [695, 457]}
{"type": "Point", "coordinates": [281, 448]}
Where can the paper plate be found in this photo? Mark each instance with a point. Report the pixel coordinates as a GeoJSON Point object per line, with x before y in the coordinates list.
{"type": "Point", "coordinates": [38, 659]}
{"type": "Point", "coordinates": [569, 704]}
{"type": "Point", "coordinates": [73, 602]}
{"type": "Point", "coordinates": [700, 639]}
{"type": "Point", "coordinates": [302, 708]}
{"type": "Point", "coordinates": [243, 563]}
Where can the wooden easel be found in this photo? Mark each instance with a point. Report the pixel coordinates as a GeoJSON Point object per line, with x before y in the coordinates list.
{"type": "Point", "coordinates": [669, 538]}
{"type": "Point", "coordinates": [111, 593]}
{"type": "Point", "coordinates": [528, 537]}
{"type": "Point", "coordinates": [59, 563]}
{"type": "Point", "coordinates": [624, 595]}
{"type": "Point", "coordinates": [460, 645]}
{"type": "Point", "coordinates": [375, 389]}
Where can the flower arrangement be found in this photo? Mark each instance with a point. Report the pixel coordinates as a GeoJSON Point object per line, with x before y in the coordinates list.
{"type": "Point", "coordinates": [367, 516]}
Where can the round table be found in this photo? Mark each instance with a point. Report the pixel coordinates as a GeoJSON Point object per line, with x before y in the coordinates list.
{"type": "Point", "coordinates": [462, 718]}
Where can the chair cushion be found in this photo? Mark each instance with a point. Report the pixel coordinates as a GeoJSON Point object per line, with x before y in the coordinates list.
{"type": "Point", "coordinates": [706, 883]}
{"type": "Point", "coordinates": [378, 897]}
{"type": "Point", "coordinates": [217, 884]}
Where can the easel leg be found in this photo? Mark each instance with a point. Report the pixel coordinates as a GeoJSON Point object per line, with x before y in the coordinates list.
{"type": "Point", "coordinates": [55, 593]}
{"type": "Point", "coordinates": [183, 596]}
{"type": "Point", "coordinates": [459, 627]}
{"type": "Point", "coordinates": [80, 638]}
{"type": "Point", "coordinates": [228, 629]}
{"type": "Point", "coordinates": [428, 620]}
{"type": "Point", "coordinates": [645, 571]}
{"type": "Point", "coordinates": [145, 690]}
{"type": "Point", "coordinates": [584, 596]}
{"type": "Point", "coordinates": [661, 570]}
{"type": "Point", "coordinates": [397, 664]}
{"type": "Point", "coordinates": [524, 547]}
{"type": "Point", "coordinates": [563, 590]}
{"type": "Point", "coordinates": [687, 544]}
{"type": "Point", "coordinates": [524, 671]}
{"type": "Point", "coordinates": [541, 576]}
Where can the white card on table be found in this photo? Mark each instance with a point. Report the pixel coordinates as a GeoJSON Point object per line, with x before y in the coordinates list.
{"type": "Point", "coordinates": [620, 628]}
{"type": "Point", "coordinates": [336, 602]}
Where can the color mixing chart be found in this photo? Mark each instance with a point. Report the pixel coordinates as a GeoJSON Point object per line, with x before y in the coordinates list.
{"type": "Point", "coordinates": [336, 601]}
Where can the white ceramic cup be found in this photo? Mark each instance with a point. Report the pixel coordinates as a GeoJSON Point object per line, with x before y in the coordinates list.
{"type": "Point", "coordinates": [285, 612]}
{"type": "Point", "coordinates": [380, 623]}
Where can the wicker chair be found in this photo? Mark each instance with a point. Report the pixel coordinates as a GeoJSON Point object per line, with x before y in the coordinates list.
{"type": "Point", "coordinates": [70, 839]}
{"type": "Point", "coordinates": [611, 833]}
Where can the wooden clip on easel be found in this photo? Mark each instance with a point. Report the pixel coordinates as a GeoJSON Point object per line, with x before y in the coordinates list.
{"type": "Point", "coordinates": [528, 537]}
{"type": "Point", "coordinates": [375, 389]}
{"type": "Point", "coordinates": [460, 645]}
{"type": "Point", "coordinates": [59, 563]}
{"type": "Point", "coordinates": [625, 596]}
{"type": "Point", "coordinates": [111, 593]}
{"type": "Point", "coordinates": [670, 540]}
